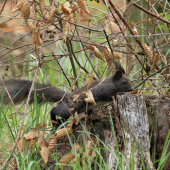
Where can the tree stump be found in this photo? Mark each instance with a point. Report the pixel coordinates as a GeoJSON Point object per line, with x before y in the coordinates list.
{"type": "Point", "coordinates": [158, 114]}
{"type": "Point", "coordinates": [135, 128]}
{"type": "Point", "coordinates": [134, 131]}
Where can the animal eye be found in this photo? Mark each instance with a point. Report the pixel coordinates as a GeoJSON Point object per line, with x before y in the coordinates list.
{"type": "Point", "coordinates": [124, 82]}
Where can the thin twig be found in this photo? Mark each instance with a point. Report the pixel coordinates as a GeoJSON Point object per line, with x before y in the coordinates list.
{"type": "Point", "coordinates": [3, 7]}
{"type": "Point", "coordinates": [152, 75]}
{"type": "Point", "coordinates": [62, 71]}
{"type": "Point", "coordinates": [150, 13]}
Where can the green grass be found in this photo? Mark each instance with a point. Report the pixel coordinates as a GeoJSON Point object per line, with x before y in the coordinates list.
{"type": "Point", "coordinates": [36, 114]}
{"type": "Point", "coordinates": [50, 73]}
{"type": "Point", "coordinates": [31, 158]}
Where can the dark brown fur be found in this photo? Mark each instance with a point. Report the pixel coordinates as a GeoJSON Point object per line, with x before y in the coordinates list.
{"type": "Point", "coordinates": [102, 92]}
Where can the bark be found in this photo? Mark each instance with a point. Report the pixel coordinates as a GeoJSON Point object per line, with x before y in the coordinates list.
{"type": "Point", "coordinates": [139, 131]}
{"type": "Point", "coordinates": [158, 113]}
{"type": "Point", "coordinates": [135, 128]}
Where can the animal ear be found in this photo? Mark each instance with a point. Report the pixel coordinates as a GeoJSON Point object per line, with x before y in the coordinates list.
{"type": "Point", "coordinates": [119, 67]}
{"type": "Point", "coordinates": [118, 75]}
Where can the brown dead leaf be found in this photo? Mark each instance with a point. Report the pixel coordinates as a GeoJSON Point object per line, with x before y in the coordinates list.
{"type": "Point", "coordinates": [66, 29]}
{"type": "Point", "coordinates": [4, 25]}
{"type": "Point", "coordinates": [89, 146]}
{"type": "Point", "coordinates": [66, 10]}
{"type": "Point", "coordinates": [51, 138]}
{"type": "Point", "coordinates": [76, 118]}
{"type": "Point", "coordinates": [95, 141]}
{"type": "Point", "coordinates": [90, 153]}
{"type": "Point", "coordinates": [45, 154]}
{"type": "Point", "coordinates": [53, 121]}
{"type": "Point", "coordinates": [83, 5]}
{"type": "Point", "coordinates": [90, 98]}
{"type": "Point", "coordinates": [20, 146]}
{"type": "Point", "coordinates": [74, 3]}
{"type": "Point", "coordinates": [25, 10]}
{"type": "Point", "coordinates": [74, 9]}
{"type": "Point", "coordinates": [156, 58]}
{"type": "Point", "coordinates": [135, 31]}
{"type": "Point", "coordinates": [52, 143]}
{"type": "Point", "coordinates": [76, 146]}
{"type": "Point", "coordinates": [31, 138]}
{"type": "Point", "coordinates": [33, 26]}
{"type": "Point", "coordinates": [51, 14]}
{"type": "Point", "coordinates": [40, 42]}
{"type": "Point", "coordinates": [18, 6]}
{"type": "Point", "coordinates": [116, 56]}
{"type": "Point", "coordinates": [63, 132]}
{"type": "Point", "coordinates": [90, 78]}
{"type": "Point", "coordinates": [73, 160]}
{"type": "Point", "coordinates": [83, 14]}
{"type": "Point", "coordinates": [36, 40]}
{"type": "Point", "coordinates": [31, 135]}
{"type": "Point", "coordinates": [96, 52]}
{"type": "Point", "coordinates": [82, 116]}
{"type": "Point", "coordinates": [148, 52]}
{"type": "Point", "coordinates": [25, 144]}
{"type": "Point", "coordinates": [42, 6]}
{"type": "Point", "coordinates": [70, 124]}
{"type": "Point", "coordinates": [31, 142]}
{"type": "Point", "coordinates": [40, 126]}
{"type": "Point", "coordinates": [134, 91]}
{"type": "Point", "coordinates": [66, 159]}
{"type": "Point", "coordinates": [108, 56]}
{"type": "Point", "coordinates": [41, 139]}
{"type": "Point", "coordinates": [76, 96]}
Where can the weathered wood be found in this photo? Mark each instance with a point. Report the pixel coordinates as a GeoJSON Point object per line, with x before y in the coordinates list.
{"type": "Point", "coordinates": [112, 155]}
{"type": "Point", "coordinates": [158, 113]}
{"type": "Point", "coordinates": [137, 120]}
{"type": "Point", "coordinates": [135, 128]}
